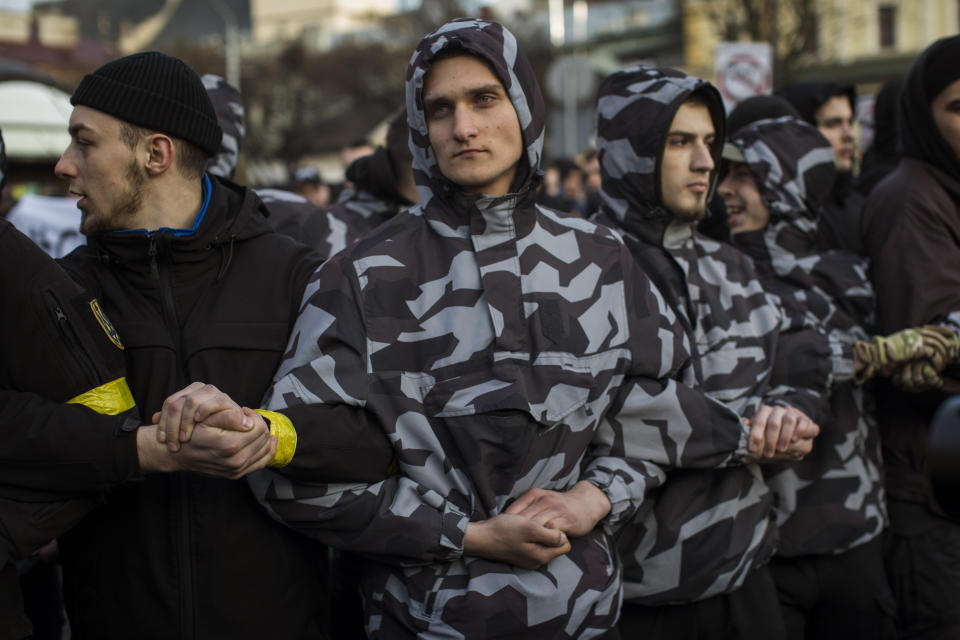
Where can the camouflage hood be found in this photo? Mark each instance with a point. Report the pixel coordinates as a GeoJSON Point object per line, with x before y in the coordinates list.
{"type": "Point", "coordinates": [634, 111]}
{"type": "Point", "coordinates": [440, 198]}
{"type": "Point", "coordinates": [793, 165]}
{"type": "Point", "coordinates": [229, 108]}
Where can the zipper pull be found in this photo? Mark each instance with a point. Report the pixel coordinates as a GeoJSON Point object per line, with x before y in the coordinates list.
{"type": "Point", "coordinates": [152, 252]}
{"type": "Point", "coordinates": [61, 316]}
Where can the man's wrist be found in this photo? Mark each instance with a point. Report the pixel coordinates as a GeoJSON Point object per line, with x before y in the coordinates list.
{"type": "Point", "coordinates": [594, 499]}
{"type": "Point", "coordinates": [152, 456]}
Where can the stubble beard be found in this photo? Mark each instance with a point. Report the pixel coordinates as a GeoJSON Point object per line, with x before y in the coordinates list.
{"type": "Point", "coordinates": [93, 222]}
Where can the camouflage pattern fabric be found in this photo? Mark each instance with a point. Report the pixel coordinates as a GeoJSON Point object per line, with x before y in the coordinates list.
{"type": "Point", "coordinates": [703, 531]}
{"type": "Point", "coordinates": [833, 500]}
{"type": "Point", "coordinates": [501, 346]}
{"type": "Point", "coordinates": [228, 106]}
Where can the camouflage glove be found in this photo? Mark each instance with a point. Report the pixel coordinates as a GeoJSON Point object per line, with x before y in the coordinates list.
{"type": "Point", "coordinates": [920, 375]}
{"type": "Point", "coordinates": [883, 355]}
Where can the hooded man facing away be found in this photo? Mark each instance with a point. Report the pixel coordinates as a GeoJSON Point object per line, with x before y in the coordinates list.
{"type": "Point", "coordinates": [911, 233]}
{"type": "Point", "coordinates": [695, 553]}
{"type": "Point", "coordinates": [521, 364]}
{"type": "Point", "coordinates": [381, 183]}
{"type": "Point", "coordinates": [831, 506]}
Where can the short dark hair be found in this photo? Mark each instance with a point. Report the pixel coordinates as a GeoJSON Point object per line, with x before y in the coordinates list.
{"type": "Point", "coordinates": [191, 159]}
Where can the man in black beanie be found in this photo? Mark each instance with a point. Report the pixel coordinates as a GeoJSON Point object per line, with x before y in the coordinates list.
{"type": "Point", "coordinates": [911, 233]}
{"type": "Point", "coordinates": [198, 288]}
{"type": "Point", "coordinates": [831, 107]}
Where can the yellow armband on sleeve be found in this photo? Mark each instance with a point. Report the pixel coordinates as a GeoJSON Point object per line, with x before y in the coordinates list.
{"type": "Point", "coordinates": [111, 398]}
{"type": "Point", "coordinates": [282, 427]}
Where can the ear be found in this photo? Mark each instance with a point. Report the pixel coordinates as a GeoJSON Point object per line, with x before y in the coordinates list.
{"type": "Point", "coordinates": [160, 151]}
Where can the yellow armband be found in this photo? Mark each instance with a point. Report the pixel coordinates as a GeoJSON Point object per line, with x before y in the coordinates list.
{"type": "Point", "coordinates": [281, 427]}
{"type": "Point", "coordinates": [111, 398]}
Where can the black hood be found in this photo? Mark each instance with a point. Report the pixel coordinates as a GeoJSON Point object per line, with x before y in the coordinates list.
{"type": "Point", "coordinates": [807, 97]}
{"type": "Point", "coordinates": [919, 136]}
{"type": "Point", "coordinates": [374, 174]}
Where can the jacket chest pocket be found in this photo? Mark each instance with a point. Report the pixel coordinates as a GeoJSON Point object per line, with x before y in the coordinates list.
{"type": "Point", "coordinates": [508, 436]}
{"type": "Point", "coordinates": [239, 358]}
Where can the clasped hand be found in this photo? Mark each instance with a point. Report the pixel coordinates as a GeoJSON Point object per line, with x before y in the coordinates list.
{"type": "Point", "coordinates": [534, 529]}
{"type": "Point", "coordinates": [202, 430]}
{"type": "Point", "coordinates": [780, 433]}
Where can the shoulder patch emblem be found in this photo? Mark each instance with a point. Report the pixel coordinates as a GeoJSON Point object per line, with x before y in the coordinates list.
{"type": "Point", "coordinates": [105, 323]}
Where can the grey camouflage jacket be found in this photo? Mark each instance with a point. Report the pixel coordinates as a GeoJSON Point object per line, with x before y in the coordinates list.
{"type": "Point", "coordinates": [500, 346]}
{"type": "Point", "coordinates": [833, 500]}
{"type": "Point", "coordinates": [703, 531]}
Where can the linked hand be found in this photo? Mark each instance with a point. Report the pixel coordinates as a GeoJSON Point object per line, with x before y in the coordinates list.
{"type": "Point", "coordinates": [515, 540]}
{"type": "Point", "coordinates": [183, 410]}
{"type": "Point", "coordinates": [781, 434]}
{"type": "Point", "coordinates": [212, 450]}
{"type": "Point", "coordinates": [883, 355]}
{"type": "Point", "coordinates": [575, 512]}
{"type": "Point", "coordinates": [920, 375]}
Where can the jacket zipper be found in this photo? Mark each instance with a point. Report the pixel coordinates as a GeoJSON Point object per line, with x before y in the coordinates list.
{"type": "Point", "coordinates": [69, 334]}
{"type": "Point", "coordinates": [161, 273]}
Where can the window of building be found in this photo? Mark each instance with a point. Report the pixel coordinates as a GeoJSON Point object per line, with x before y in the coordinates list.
{"type": "Point", "coordinates": [888, 26]}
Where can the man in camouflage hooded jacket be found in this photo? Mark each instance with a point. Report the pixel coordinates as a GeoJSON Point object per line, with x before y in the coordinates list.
{"type": "Point", "coordinates": [831, 506]}
{"type": "Point", "coordinates": [694, 554]}
{"type": "Point", "coordinates": [520, 363]}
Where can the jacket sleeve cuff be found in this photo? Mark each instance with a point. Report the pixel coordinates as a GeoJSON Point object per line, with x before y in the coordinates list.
{"type": "Point", "coordinates": [282, 427]}
{"type": "Point", "coordinates": [624, 487]}
{"type": "Point", "coordinates": [453, 531]}
{"type": "Point", "coordinates": [841, 359]}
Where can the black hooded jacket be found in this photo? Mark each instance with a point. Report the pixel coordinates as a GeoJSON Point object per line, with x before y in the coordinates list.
{"type": "Point", "coordinates": [839, 223]}
{"type": "Point", "coordinates": [911, 232]}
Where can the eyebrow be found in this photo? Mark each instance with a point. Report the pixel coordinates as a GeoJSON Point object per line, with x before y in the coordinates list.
{"type": "Point", "coordinates": [75, 129]}
{"type": "Point", "coordinates": [689, 134]}
{"type": "Point", "coordinates": [493, 87]}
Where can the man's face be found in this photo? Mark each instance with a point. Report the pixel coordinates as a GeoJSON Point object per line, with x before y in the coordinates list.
{"type": "Point", "coordinates": [686, 163]}
{"type": "Point", "coordinates": [472, 125]}
{"type": "Point", "coordinates": [102, 171]}
{"type": "Point", "coordinates": [746, 210]}
{"type": "Point", "coordinates": [946, 113]}
{"type": "Point", "coordinates": [834, 119]}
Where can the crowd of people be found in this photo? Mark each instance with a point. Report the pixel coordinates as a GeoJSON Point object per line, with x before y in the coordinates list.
{"type": "Point", "coordinates": [680, 388]}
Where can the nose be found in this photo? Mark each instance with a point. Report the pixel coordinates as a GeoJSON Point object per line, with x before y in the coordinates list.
{"type": "Point", "coordinates": [848, 130]}
{"type": "Point", "coordinates": [701, 160]}
{"type": "Point", "coordinates": [65, 169]}
{"type": "Point", "coordinates": [464, 126]}
{"type": "Point", "coordinates": [723, 189]}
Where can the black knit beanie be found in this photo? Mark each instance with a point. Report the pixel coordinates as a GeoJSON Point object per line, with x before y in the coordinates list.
{"type": "Point", "coordinates": [154, 91]}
